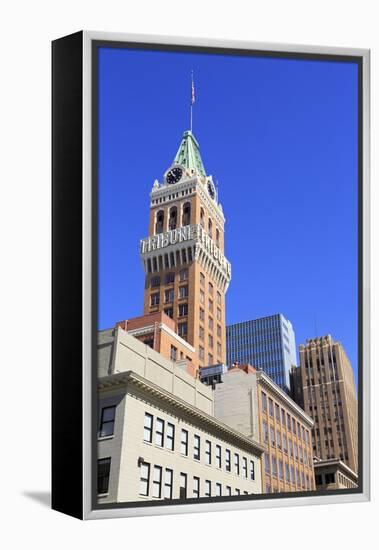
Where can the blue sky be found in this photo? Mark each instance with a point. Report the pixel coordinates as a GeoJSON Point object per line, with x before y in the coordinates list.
{"type": "Point", "coordinates": [280, 137]}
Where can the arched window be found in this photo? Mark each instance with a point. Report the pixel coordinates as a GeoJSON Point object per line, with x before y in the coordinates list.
{"type": "Point", "coordinates": [160, 221]}
{"type": "Point", "coordinates": [210, 227]}
{"type": "Point", "coordinates": [172, 222]}
{"type": "Point", "coordinates": [202, 217]}
{"type": "Point", "coordinates": [186, 216]}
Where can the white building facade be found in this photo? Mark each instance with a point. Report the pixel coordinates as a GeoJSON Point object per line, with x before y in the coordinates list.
{"type": "Point", "coordinates": [158, 439]}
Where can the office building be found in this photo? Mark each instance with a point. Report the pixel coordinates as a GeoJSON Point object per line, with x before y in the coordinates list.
{"type": "Point", "coordinates": [330, 398]}
{"type": "Point", "coordinates": [157, 435]}
{"type": "Point", "coordinates": [267, 343]}
{"type": "Point", "coordinates": [250, 402]}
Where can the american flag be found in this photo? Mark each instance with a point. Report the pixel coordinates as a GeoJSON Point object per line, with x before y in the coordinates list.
{"type": "Point", "coordinates": [192, 90]}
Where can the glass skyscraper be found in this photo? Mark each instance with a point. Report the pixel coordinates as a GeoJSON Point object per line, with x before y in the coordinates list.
{"type": "Point", "coordinates": [267, 344]}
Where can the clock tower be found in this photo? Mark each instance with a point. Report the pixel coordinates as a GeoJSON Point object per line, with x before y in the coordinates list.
{"type": "Point", "coordinates": [186, 272]}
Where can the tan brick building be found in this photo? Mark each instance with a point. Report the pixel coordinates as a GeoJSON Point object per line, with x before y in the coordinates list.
{"type": "Point", "coordinates": [186, 272]}
{"type": "Point", "coordinates": [330, 398]}
{"type": "Point", "coordinates": [249, 401]}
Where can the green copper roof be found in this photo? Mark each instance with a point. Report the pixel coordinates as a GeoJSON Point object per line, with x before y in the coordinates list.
{"type": "Point", "coordinates": [188, 154]}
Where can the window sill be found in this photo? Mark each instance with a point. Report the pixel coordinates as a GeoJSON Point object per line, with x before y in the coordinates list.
{"type": "Point", "coordinates": [103, 495]}
{"type": "Point", "coordinates": [105, 437]}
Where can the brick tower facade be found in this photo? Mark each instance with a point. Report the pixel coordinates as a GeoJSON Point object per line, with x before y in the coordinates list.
{"type": "Point", "coordinates": [186, 272]}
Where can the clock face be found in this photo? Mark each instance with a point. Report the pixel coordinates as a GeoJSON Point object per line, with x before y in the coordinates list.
{"type": "Point", "coordinates": [174, 175]}
{"type": "Point", "coordinates": [211, 190]}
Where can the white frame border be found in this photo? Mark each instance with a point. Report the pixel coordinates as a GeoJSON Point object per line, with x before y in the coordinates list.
{"type": "Point", "coordinates": [88, 512]}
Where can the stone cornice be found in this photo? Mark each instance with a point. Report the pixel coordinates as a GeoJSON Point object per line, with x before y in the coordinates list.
{"type": "Point", "coordinates": [234, 437]}
{"type": "Point", "coordinates": [164, 328]}
{"type": "Point", "coordinates": [265, 380]}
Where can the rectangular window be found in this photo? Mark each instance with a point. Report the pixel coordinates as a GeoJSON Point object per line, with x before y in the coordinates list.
{"type": "Point", "coordinates": [202, 314]}
{"type": "Point", "coordinates": [219, 349]}
{"type": "Point", "coordinates": [168, 483]}
{"type": "Point", "coordinates": [170, 436]}
{"type": "Point", "coordinates": [218, 489]}
{"type": "Point", "coordinates": [210, 359]}
{"type": "Point", "coordinates": [210, 341]}
{"type": "Point", "coordinates": [237, 464]}
{"type": "Point", "coordinates": [218, 298]}
{"type": "Point", "coordinates": [107, 421]}
{"type": "Point", "coordinates": [202, 279]}
{"type": "Point", "coordinates": [267, 463]}
{"type": "Point", "coordinates": [208, 488]}
{"type": "Point", "coordinates": [218, 314]}
{"type": "Point", "coordinates": [159, 432]}
{"type": "Point", "coordinates": [218, 331]}
{"type": "Point", "coordinates": [208, 452]}
{"type": "Point", "coordinates": [270, 406]}
{"type": "Point", "coordinates": [290, 446]}
{"type": "Point", "coordinates": [294, 426]}
{"type": "Point", "coordinates": [196, 487]}
{"type": "Point", "coordinates": [278, 439]}
{"type": "Point", "coordinates": [287, 473]}
{"type": "Point", "coordinates": [184, 443]}
{"type": "Point", "coordinates": [288, 422]}
{"type": "Point", "coordinates": [170, 278]}
{"type": "Point", "coordinates": [201, 353]}
{"type": "Point", "coordinates": [183, 486]}
{"type": "Point", "coordinates": [227, 460]}
{"type": "Point", "coordinates": [182, 330]}
{"type": "Point", "coordinates": [281, 471]}
{"type": "Point", "coordinates": [274, 466]}
{"type": "Point", "coordinates": [210, 323]}
{"type": "Point", "coordinates": [285, 446]}
{"type": "Point", "coordinates": [157, 482]}
{"type": "Point", "coordinates": [183, 292]}
{"type": "Point", "coordinates": [183, 310]}
{"type": "Point", "coordinates": [103, 471]}
{"type": "Point", "coordinates": [144, 479]}
{"type": "Point", "coordinates": [272, 436]}
{"type": "Point", "coordinates": [196, 447]}
{"type": "Point", "coordinates": [210, 304]}
{"type": "Point", "coordinates": [244, 467]}
{"type": "Point", "coordinates": [264, 402]}
{"type": "Point", "coordinates": [154, 299]}
{"type": "Point", "coordinates": [155, 281]}
{"type": "Point", "coordinates": [169, 311]}
{"type": "Point", "coordinates": [210, 288]}
{"type": "Point", "coordinates": [283, 417]}
{"type": "Point", "coordinates": [277, 412]}
{"type": "Point", "coordinates": [218, 456]}
{"type": "Point", "coordinates": [148, 428]}
{"type": "Point", "coordinates": [169, 295]}
{"type": "Point", "coordinates": [238, 492]}
{"type": "Point", "coordinates": [228, 491]}
{"type": "Point", "coordinates": [202, 297]}
{"type": "Point", "coordinates": [183, 275]}
{"type": "Point", "coordinates": [173, 353]}
{"type": "Point", "coordinates": [201, 332]}
{"type": "Point", "coordinates": [252, 470]}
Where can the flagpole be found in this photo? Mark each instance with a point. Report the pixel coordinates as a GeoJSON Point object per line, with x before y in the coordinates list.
{"type": "Point", "coordinates": [192, 100]}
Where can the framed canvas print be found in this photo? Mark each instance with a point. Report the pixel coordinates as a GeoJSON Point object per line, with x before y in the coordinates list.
{"type": "Point", "coordinates": [210, 275]}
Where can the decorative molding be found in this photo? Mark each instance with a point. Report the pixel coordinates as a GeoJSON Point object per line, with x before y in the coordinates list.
{"type": "Point", "coordinates": [193, 244]}
{"type": "Point", "coordinates": [266, 381]}
{"type": "Point", "coordinates": [123, 379]}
